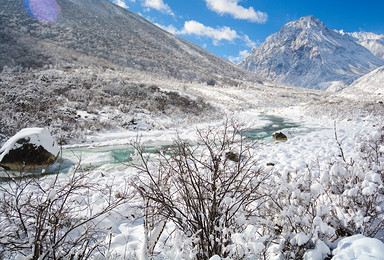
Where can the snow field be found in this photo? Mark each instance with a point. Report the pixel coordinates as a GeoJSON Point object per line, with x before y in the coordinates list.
{"type": "Point", "coordinates": [310, 144]}
{"type": "Point", "coordinates": [311, 147]}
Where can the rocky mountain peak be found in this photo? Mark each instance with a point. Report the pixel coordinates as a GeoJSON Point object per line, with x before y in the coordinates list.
{"type": "Point", "coordinates": [308, 54]}
{"type": "Point", "coordinates": [307, 22]}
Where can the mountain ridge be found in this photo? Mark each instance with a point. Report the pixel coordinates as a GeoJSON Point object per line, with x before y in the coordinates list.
{"type": "Point", "coordinates": [373, 42]}
{"type": "Point", "coordinates": [308, 54]}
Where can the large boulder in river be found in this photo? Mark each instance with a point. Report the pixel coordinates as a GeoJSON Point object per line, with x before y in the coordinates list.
{"type": "Point", "coordinates": [29, 149]}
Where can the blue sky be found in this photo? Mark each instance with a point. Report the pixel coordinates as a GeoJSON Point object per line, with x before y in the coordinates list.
{"type": "Point", "coordinates": [231, 28]}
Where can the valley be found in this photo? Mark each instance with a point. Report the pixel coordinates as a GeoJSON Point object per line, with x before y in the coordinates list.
{"type": "Point", "coordinates": [167, 151]}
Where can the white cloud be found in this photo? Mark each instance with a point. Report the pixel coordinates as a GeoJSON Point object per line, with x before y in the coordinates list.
{"type": "Point", "coordinates": [158, 5]}
{"type": "Point", "coordinates": [195, 28]}
{"type": "Point", "coordinates": [239, 12]}
{"type": "Point", "coordinates": [249, 42]}
{"type": "Point", "coordinates": [170, 28]}
{"type": "Point", "coordinates": [217, 34]}
{"type": "Point", "coordinates": [242, 55]}
{"type": "Point", "coordinates": [122, 3]}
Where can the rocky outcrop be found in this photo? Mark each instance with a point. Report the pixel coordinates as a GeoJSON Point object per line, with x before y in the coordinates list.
{"type": "Point", "coordinates": [29, 149]}
{"type": "Point", "coordinates": [280, 136]}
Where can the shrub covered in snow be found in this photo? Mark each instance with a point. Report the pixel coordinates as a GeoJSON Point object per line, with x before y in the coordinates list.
{"type": "Point", "coordinates": [220, 207]}
{"type": "Point", "coordinates": [202, 200]}
{"type": "Point", "coordinates": [327, 200]}
{"type": "Point", "coordinates": [73, 102]}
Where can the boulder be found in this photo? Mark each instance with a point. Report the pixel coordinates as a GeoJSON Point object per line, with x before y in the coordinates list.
{"type": "Point", "coordinates": [280, 136]}
{"type": "Point", "coordinates": [29, 149]}
{"type": "Point", "coordinates": [232, 156]}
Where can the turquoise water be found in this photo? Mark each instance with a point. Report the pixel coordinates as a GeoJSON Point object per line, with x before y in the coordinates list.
{"type": "Point", "coordinates": [94, 157]}
{"type": "Point", "coordinates": [274, 124]}
{"type": "Point", "coordinates": [100, 155]}
{"type": "Point", "coordinates": [122, 155]}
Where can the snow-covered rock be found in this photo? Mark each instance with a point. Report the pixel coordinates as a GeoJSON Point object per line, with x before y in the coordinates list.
{"type": "Point", "coordinates": [282, 135]}
{"type": "Point", "coordinates": [30, 148]}
{"type": "Point", "coordinates": [306, 53]}
{"type": "Point", "coordinates": [359, 247]}
{"type": "Point", "coordinates": [279, 136]}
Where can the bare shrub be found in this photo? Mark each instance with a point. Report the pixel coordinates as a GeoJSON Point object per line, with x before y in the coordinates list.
{"type": "Point", "coordinates": [54, 217]}
{"type": "Point", "coordinates": [210, 190]}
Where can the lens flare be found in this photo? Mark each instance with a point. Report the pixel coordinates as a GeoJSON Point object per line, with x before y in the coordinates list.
{"type": "Point", "coordinates": [45, 11]}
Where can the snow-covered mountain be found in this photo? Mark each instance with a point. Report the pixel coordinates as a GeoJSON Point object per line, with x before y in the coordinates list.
{"type": "Point", "coordinates": [104, 30]}
{"type": "Point", "coordinates": [373, 42]}
{"type": "Point", "coordinates": [308, 54]}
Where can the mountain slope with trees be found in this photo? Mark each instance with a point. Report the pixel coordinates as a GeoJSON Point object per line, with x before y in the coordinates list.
{"type": "Point", "coordinates": [104, 30]}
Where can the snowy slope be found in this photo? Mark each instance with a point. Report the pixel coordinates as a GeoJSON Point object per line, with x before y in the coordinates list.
{"type": "Point", "coordinates": [308, 54]}
{"type": "Point", "coordinates": [369, 85]}
{"type": "Point", "coordinates": [104, 30]}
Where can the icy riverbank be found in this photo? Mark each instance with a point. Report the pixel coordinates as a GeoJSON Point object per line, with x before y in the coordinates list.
{"type": "Point", "coordinates": [312, 147]}
{"type": "Point", "coordinates": [317, 152]}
